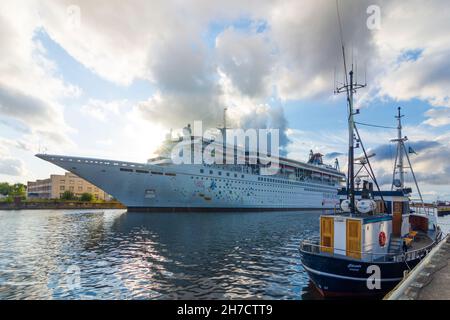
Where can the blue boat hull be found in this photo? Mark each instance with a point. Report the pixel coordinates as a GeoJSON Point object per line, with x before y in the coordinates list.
{"type": "Point", "coordinates": [335, 276]}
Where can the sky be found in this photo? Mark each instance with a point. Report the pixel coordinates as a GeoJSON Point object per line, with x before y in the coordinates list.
{"type": "Point", "coordinates": [108, 79]}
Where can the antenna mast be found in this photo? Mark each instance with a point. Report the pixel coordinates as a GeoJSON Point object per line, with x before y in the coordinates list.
{"type": "Point", "coordinates": [349, 87]}
{"type": "Point", "coordinates": [225, 118]}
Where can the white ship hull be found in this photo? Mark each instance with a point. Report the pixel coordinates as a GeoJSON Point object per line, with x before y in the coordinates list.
{"type": "Point", "coordinates": [180, 187]}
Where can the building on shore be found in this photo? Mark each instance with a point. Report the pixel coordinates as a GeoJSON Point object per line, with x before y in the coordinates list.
{"type": "Point", "coordinates": [55, 186]}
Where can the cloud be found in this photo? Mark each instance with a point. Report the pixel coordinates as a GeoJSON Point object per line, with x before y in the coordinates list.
{"type": "Point", "coordinates": [388, 151]}
{"type": "Point", "coordinates": [323, 141]}
{"type": "Point", "coordinates": [438, 117]}
{"type": "Point", "coordinates": [202, 56]}
{"type": "Point", "coordinates": [12, 167]}
{"type": "Point", "coordinates": [23, 107]}
{"type": "Point", "coordinates": [333, 155]}
{"type": "Point", "coordinates": [101, 110]}
{"type": "Point", "coordinates": [246, 59]}
{"type": "Point", "coordinates": [430, 164]}
{"type": "Point", "coordinates": [307, 38]}
{"type": "Point", "coordinates": [407, 29]}
{"type": "Point", "coordinates": [30, 89]}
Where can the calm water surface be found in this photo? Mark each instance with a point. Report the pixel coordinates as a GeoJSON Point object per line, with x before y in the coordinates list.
{"type": "Point", "coordinates": [115, 254]}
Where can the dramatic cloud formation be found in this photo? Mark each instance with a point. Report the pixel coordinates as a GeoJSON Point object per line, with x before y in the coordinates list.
{"type": "Point", "coordinates": [197, 57]}
{"type": "Point", "coordinates": [29, 87]}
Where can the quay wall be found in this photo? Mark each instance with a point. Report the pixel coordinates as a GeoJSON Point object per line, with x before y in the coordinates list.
{"type": "Point", "coordinates": [39, 205]}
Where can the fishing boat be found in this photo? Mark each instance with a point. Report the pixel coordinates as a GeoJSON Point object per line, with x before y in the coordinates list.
{"type": "Point", "coordinates": [367, 247]}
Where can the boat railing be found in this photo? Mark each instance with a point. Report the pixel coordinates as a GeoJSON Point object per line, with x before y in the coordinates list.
{"type": "Point", "coordinates": [423, 209]}
{"type": "Point", "coordinates": [312, 246]}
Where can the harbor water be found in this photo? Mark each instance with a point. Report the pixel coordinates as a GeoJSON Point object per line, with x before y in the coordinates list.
{"type": "Point", "coordinates": [115, 254]}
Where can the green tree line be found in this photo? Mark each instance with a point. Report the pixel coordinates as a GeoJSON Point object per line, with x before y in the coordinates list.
{"type": "Point", "coordinates": [12, 190]}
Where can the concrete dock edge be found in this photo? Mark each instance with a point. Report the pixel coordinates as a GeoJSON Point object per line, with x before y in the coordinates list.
{"type": "Point", "coordinates": [429, 280]}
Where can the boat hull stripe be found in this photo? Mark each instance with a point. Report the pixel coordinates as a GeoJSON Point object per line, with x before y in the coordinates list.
{"type": "Point", "coordinates": [345, 277]}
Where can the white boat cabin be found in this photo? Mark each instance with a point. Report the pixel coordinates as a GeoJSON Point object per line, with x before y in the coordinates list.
{"type": "Point", "coordinates": [368, 236]}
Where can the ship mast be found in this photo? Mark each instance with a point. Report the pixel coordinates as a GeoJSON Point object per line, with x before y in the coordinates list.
{"type": "Point", "coordinates": [225, 118]}
{"type": "Point", "coordinates": [350, 88]}
{"type": "Point", "coordinates": [400, 147]}
{"type": "Point", "coordinates": [351, 147]}
{"type": "Point", "coordinates": [399, 165]}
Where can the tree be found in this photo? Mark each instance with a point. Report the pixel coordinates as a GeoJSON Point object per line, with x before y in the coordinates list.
{"type": "Point", "coordinates": [68, 195]}
{"type": "Point", "coordinates": [5, 188]}
{"type": "Point", "coordinates": [18, 190]}
{"type": "Point", "coordinates": [88, 197]}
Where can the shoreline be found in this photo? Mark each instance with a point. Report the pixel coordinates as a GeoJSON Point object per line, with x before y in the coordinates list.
{"type": "Point", "coordinates": [60, 205]}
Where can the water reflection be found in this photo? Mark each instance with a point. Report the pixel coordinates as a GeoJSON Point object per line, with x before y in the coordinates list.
{"type": "Point", "coordinates": [132, 255]}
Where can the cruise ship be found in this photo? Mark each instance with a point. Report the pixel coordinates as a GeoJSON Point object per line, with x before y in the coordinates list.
{"type": "Point", "coordinates": [162, 185]}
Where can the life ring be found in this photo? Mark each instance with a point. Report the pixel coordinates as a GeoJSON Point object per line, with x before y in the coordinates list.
{"type": "Point", "coordinates": [382, 239]}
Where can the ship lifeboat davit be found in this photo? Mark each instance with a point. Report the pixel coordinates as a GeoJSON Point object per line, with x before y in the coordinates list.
{"type": "Point", "coordinates": [366, 205]}
{"type": "Point", "coordinates": [345, 205]}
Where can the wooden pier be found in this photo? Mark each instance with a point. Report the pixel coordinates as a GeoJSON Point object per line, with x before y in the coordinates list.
{"type": "Point", "coordinates": [429, 280]}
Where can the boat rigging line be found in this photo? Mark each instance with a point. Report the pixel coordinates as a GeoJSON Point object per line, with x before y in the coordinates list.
{"type": "Point", "coordinates": [375, 125]}
{"type": "Point", "coordinates": [370, 167]}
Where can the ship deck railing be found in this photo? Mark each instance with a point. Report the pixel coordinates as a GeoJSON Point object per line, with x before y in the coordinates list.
{"type": "Point", "coordinates": [313, 246]}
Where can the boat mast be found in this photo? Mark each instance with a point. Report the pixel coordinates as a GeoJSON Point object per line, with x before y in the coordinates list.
{"type": "Point", "coordinates": [400, 148]}
{"type": "Point", "coordinates": [399, 165]}
{"type": "Point", "coordinates": [349, 87]}
{"type": "Point", "coordinates": [351, 146]}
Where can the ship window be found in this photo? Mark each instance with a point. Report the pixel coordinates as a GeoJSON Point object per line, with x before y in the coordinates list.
{"type": "Point", "coordinates": [220, 173]}
{"type": "Point", "coordinates": [127, 170]}
{"type": "Point", "coordinates": [228, 174]}
{"type": "Point", "coordinates": [156, 172]}
{"type": "Point", "coordinates": [210, 172]}
{"type": "Point", "coordinates": [141, 171]}
{"type": "Point", "coordinates": [242, 176]}
{"type": "Point", "coordinates": [235, 175]}
{"type": "Point", "coordinates": [201, 170]}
